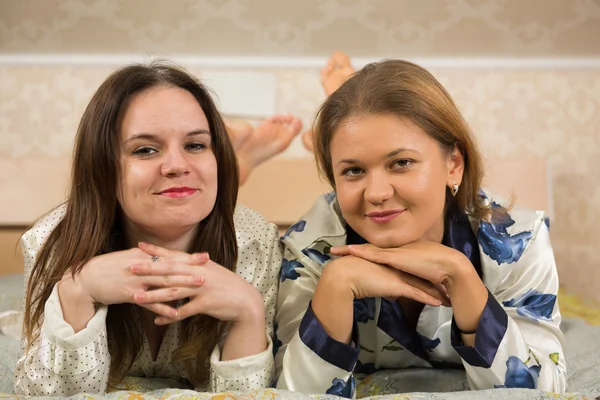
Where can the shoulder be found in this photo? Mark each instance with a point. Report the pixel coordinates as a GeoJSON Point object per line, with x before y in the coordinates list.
{"type": "Point", "coordinates": [513, 242]}
{"type": "Point", "coordinates": [251, 226]}
{"type": "Point", "coordinates": [322, 222]}
{"type": "Point", "coordinates": [259, 253]}
{"type": "Point", "coordinates": [307, 242]}
{"type": "Point", "coordinates": [38, 233]}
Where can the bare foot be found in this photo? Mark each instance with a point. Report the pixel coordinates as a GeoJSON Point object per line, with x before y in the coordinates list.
{"type": "Point", "coordinates": [336, 72]}
{"type": "Point", "coordinates": [307, 140]}
{"type": "Point", "coordinates": [269, 138]}
{"type": "Point", "coordinates": [238, 132]}
{"type": "Point", "coordinates": [333, 75]}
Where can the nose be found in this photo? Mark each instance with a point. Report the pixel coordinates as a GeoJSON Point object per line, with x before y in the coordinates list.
{"type": "Point", "coordinates": [174, 163]}
{"type": "Point", "coordinates": [378, 188]}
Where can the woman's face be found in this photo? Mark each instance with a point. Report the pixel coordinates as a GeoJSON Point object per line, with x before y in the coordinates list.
{"type": "Point", "coordinates": [168, 178]}
{"type": "Point", "coordinates": [391, 179]}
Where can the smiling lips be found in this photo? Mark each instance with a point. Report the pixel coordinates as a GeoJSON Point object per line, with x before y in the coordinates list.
{"type": "Point", "coordinates": [384, 216]}
{"type": "Point", "coordinates": [178, 192]}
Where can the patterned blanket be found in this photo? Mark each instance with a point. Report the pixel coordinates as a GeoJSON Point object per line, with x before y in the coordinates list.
{"type": "Point", "coordinates": [583, 361]}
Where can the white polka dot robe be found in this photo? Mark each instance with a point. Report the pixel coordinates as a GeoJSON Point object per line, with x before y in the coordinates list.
{"type": "Point", "coordinates": [64, 363]}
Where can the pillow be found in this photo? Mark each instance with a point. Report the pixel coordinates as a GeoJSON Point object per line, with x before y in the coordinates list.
{"type": "Point", "coordinates": [11, 292]}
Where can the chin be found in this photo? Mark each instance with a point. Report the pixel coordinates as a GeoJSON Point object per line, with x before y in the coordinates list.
{"type": "Point", "coordinates": [179, 220]}
{"type": "Point", "coordinates": [386, 241]}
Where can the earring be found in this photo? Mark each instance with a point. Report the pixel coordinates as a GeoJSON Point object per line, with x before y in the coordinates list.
{"type": "Point", "coordinates": [454, 188]}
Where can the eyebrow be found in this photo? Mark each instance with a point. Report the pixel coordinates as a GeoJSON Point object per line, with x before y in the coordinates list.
{"type": "Point", "coordinates": [150, 136]}
{"type": "Point", "coordinates": [388, 155]}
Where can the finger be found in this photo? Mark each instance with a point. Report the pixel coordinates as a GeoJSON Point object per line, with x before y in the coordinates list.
{"type": "Point", "coordinates": [171, 281]}
{"type": "Point", "coordinates": [396, 258]}
{"type": "Point", "coordinates": [154, 250]}
{"type": "Point", "coordinates": [163, 268]}
{"type": "Point", "coordinates": [427, 287]}
{"type": "Point", "coordinates": [372, 253]}
{"type": "Point", "coordinates": [177, 256]}
{"type": "Point", "coordinates": [160, 320]}
{"type": "Point", "coordinates": [163, 295]}
{"type": "Point", "coordinates": [441, 288]}
{"type": "Point", "coordinates": [412, 292]}
{"type": "Point", "coordinates": [180, 256]}
{"type": "Point", "coordinates": [340, 250]}
{"type": "Point", "coordinates": [191, 308]}
{"type": "Point", "coordinates": [191, 259]}
{"type": "Point", "coordinates": [162, 310]}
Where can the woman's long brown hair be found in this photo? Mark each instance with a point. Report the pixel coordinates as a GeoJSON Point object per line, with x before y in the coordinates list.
{"type": "Point", "coordinates": [92, 224]}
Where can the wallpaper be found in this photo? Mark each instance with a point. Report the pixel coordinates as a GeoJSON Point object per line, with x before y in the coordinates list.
{"type": "Point", "coordinates": [307, 28]}
{"type": "Point", "coordinates": [519, 113]}
{"type": "Point", "coordinates": [550, 114]}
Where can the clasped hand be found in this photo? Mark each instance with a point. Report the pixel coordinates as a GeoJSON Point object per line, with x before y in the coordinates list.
{"type": "Point", "coordinates": [131, 276]}
{"type": "Point", "coordinates": [420, 262]}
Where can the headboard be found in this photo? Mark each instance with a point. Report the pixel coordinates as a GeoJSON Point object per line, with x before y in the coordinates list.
{"type": "Point", "coordinates": [281, 190]}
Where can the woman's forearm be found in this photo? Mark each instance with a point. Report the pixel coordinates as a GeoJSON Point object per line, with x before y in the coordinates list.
{"type": "Point", "coordinates": [333, 305]}
{"type": "Point", "coordinates": [77, 306]}
{"type": "Point", "coordinates": [469, 296]}
{"type": "Point", "coordinates": [246, 337]}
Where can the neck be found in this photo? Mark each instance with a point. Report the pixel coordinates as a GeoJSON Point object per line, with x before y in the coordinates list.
{"type": "Point", "coordinates": [171, 239]}
{"type": "Point", "coordinates": [436, 233]}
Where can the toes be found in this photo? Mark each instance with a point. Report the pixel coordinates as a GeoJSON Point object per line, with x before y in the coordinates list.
{"type": "Point", "coordinates": [295, 125]}
{"type": "Point", "coordinates": [287, 119]}
{"type": "Point", "coordinates": [327, 69]}
{"type": "Point", "coordinates": [340, 59]}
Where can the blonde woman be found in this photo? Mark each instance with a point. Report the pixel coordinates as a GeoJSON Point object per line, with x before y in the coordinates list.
{"type": "Point", "coordinates": [408, 263]}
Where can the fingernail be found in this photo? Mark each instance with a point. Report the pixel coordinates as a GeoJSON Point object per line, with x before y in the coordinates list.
{"type": "Point", "coordinates": [201, 256]}
{"type": "Point", "coordinates": [199, 280]}
{"type": "Point", "coordinates": [175, 314]}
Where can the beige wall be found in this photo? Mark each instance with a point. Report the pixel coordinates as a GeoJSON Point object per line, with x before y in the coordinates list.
{"type": "Point", "coordinates": [542, 112]}
{"type": "Point", "coordinates": [306, 27]}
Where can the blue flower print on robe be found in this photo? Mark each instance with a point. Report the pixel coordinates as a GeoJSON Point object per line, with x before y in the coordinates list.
{"type": "Point", "coordinates": [316, 255]}
{"type": "Point", "coordinates": [288, 270]}
{"type": "Point", "coordinates": [519, 375]}
{"type": "Point", "coordinates": [368, 368]}
{"type": "Point", "coordinates": [341, 388]}
{"type": "Point", "coordinates": [533, 304]}
{"type": "Point", "coordinates": [330, 197]}
{"type": "Point", "coordinates": [547, 222]}
{"type": "Point", "coordinates": [429, 344]}
{"type": "Point", "coordinates": [276, 342]}
{"type": "Point", "coordinates": [497, 243]}
{"type": "Point", "coordinates": [297, 227]}
{"type": "Point", "coordinates": [364, 309]}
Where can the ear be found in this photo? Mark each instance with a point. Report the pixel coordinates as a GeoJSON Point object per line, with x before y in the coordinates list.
{"type": "Point", "coordinates": [456, 166]}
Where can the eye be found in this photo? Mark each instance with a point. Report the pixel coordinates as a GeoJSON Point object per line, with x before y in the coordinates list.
{"type": "Point", "coordinates": [144, 151]}
{"type": "Point", "coordinates": [402, 163]}
{"type": "Point", "coordinates": [352, 171]}
{"type": "Point", "coordinates": [195, 146]}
